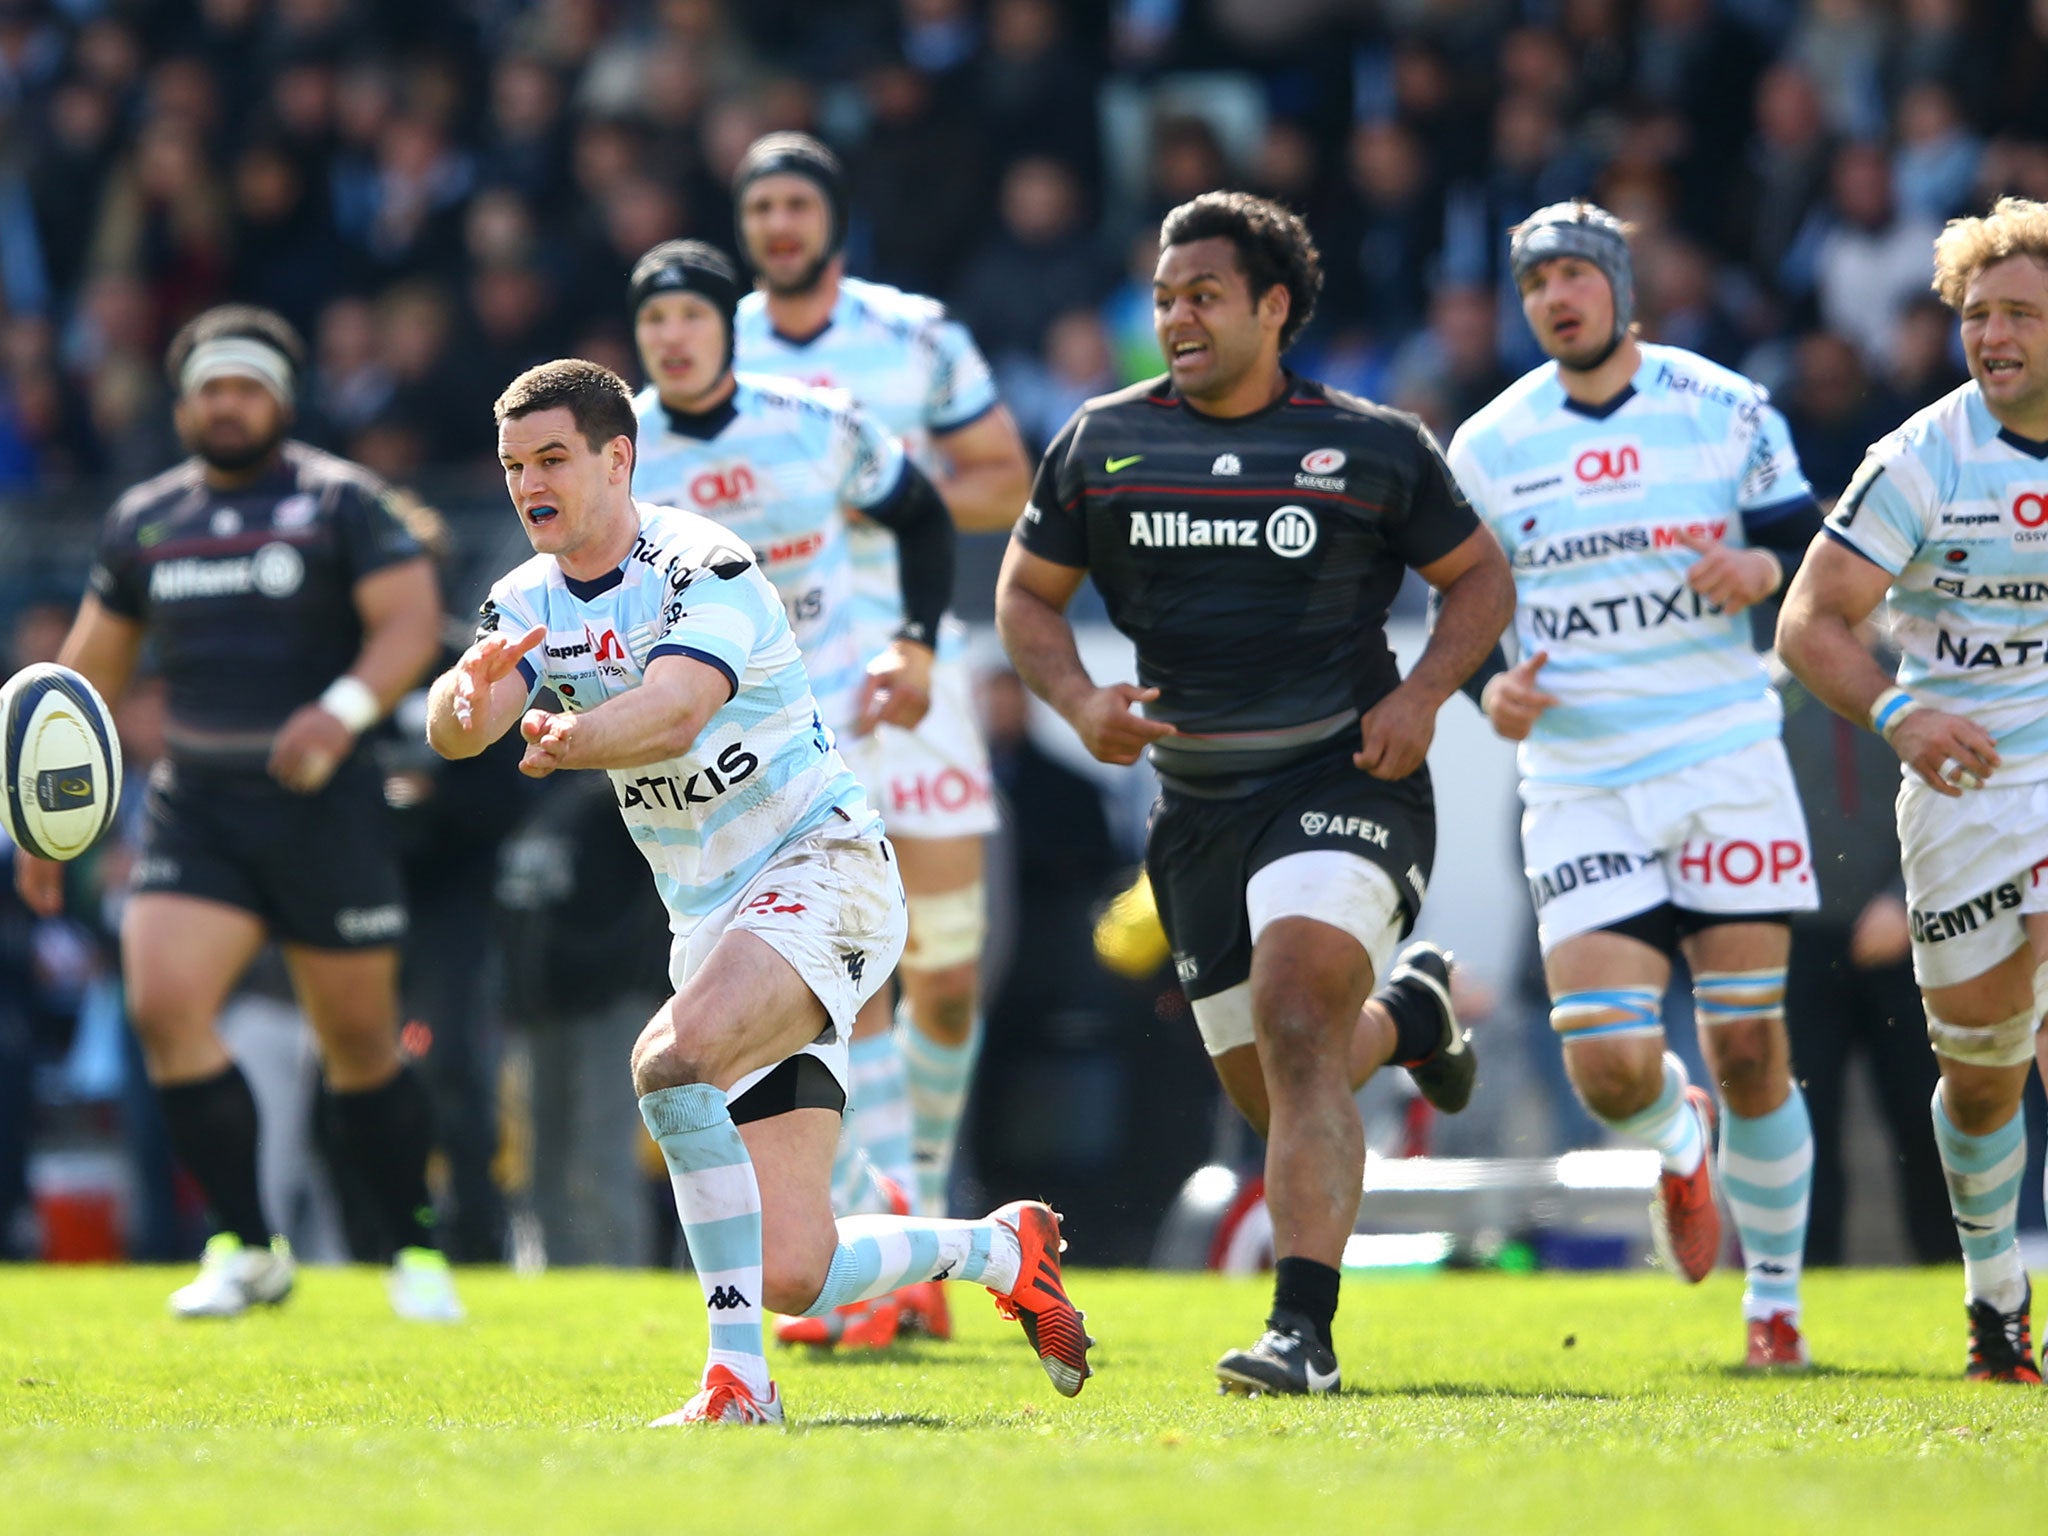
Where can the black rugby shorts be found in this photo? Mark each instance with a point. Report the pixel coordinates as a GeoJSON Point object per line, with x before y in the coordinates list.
{"type": "Point", "coordinates": [319, 870]}
{"type": "Point", "coordinates": [1201, 854]}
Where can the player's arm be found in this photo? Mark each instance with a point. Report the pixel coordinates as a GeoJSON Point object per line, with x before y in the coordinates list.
{"type": "Point", "coordinates": [102, 647]}
{"type": "Point", "coordinates": [988, 477]}
{"type": "Point", "coordinates": [483, 695]}
{"type": "Point", "coordinates": [1476, 599]}
{"type": "Point", "coordinates": [878, 481]}
{"type": "Point", "coordinates": [1836, 589]}
{"type": "Point", "coordinates": [400, 609]}
{"type": "Point", "coordinates": [659, 720]}
{"type": "Point", "coordinates": [1032, 594]}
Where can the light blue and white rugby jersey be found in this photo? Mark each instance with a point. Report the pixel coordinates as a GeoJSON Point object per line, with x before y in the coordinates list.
{"type": "Point", "coordinates": [762, 772]}
{"type": "Point", "coordinates": [1956, 508]}
{"type": "Point", "coordinates": [779, 473]}
{"type": "Point", "coordinates": [906, 363]}
{"type": "Point", "coordinates": [1589, 505]}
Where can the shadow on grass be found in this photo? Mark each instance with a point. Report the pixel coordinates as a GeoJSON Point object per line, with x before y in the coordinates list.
{"type": "Point", "coordinates": [1474, 1389]}
{"type": "Point", "coordinates": [874, 1421]}
{"type": "Point", "coordinates": [1820, 1372]}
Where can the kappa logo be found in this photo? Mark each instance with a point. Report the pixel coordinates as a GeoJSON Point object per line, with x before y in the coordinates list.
{"type": "Point", "coordinates": [1226, 464]}
{"type": "Point", "coordinates": [856, 961]}
{"type": "Point", "coordinates": [227, 522]}
{"type": "Point", "coordinates": [724, 1298]}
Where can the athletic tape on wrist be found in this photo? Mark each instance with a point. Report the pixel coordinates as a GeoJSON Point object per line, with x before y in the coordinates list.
{"type": "Point", "coordinates": [353, 702]}
{"type": "Point", "coordinates": [1890, 709]}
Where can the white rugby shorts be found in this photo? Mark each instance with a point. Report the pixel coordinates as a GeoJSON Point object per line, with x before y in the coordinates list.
{"type": "Point", "coordinates": [1974, 867]}
{"type": "Point", "coordinates": [1725, 836]}
{"type": "Point", "coordinates": [833, 908]}
{"type": "Point", "coordinates": [932, 782]}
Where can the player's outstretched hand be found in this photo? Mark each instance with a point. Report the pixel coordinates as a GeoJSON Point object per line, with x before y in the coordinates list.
{"type": "Point", "coordinates": [1394, 735]}
{"type": "Point", "coordinates": [1949, 753]}
{"type": "Point", "coordinates": [490, 660]}
{"type": "Point", "coordinates": [897, 689]}
{"type": "Point", "coordinates": [40, 882]}
{"type": "Point", "coordinates": [1730, 579]}
{"type": "Point", "coordinates": [308, 748]}
{"type": "Point", "coordinates": [1111, 730]}
{"type": "Point", "coordinates": [547, 742]}
{"type": "Point", "coordinates": [1513, 702]}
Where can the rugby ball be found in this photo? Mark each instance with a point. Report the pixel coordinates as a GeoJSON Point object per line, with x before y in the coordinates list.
{"type": "Point", "coordinates": [60, 762]}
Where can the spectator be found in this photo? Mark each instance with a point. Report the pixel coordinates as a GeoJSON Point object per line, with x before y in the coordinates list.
{"type": "Point", "coordinates": [1871, 258]}
{"type": "Point", "coordinates": [1041, 262]}
{"type": "Point", "coordinates": [1833, 411]}
{"type": "Point", "coordinates": [1078, 364]}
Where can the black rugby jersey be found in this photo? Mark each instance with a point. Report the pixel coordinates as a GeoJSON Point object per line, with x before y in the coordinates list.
{"type": "Point", "coordinates": [1251, 559]}
{"type": "Point", "coordinates": [249, 595]}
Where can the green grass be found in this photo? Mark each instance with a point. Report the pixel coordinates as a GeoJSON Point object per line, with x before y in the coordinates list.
{"type": "Point", "coordinates": [1474, 1403]}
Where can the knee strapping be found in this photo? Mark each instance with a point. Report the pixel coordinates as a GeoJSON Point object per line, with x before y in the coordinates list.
{"type": "Point", "coordinates": [2009, 1043]}
{"type": "Point", "coordinates": [1722, 997]}
{"type": "Point", "coordinates": [1608, 1013]}
{"type": "Point", "coordinates": [946, 929]}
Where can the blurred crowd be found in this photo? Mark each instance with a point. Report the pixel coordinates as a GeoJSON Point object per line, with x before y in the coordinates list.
{"type": "Point", "coordinates": [439, 193]}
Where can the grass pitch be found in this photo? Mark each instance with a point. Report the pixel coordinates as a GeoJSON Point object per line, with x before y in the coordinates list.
{"type": "Point", "coordinates": [1473, 1403]}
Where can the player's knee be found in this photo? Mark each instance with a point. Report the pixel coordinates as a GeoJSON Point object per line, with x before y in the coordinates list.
{"type": "Point", "coordinates": [1301, 1034]}
{"type": "Point", "coordinates": [1746, 1056]}
{"type": "Point", "coordinates": [668, 1057]}
{"type": "Point", "coordinates": [1614, 1084]}
{"type": "Point", "coordinates": [947, 929]}
{"type": "Point", "coordinates": [943, 1003]}
{"type": "Point", "coordinates": [790, 1282]}
{"type": "Point", "coordinates": [1978, 1101]}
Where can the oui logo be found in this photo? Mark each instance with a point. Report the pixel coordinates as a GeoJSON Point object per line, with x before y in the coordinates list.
{"type": "Point", "coordinates": [1601, 464]}
{"type": "Point", "coordinates": [729, 485]}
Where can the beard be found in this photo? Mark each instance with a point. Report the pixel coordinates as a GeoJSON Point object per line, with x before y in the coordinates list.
{"type": "Point", "coordinates": [804, 282]}
{"type": "Point", "coordinates": [234, 460]}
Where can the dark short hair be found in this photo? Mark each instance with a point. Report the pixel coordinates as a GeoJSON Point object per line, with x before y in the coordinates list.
{"type": "Point", "coordinates": [224, 320]}
{"type": "Point", "coordinates": [1273, 248]}
{"type": "Point", "coordinates": [594, 395]}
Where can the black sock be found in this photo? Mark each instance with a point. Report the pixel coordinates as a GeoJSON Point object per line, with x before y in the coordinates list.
{"type": "Point", "coordinates": [1418, 1021]}
{"type": "Point", "coordinates": [212, 1126]}
{"type": "Point", "coordinates": [387, 1133]}
{"type": "Point", "coordinates": [1308, 1290]}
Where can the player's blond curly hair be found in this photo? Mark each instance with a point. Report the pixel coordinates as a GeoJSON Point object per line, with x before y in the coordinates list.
{"type": "Point", "coordinates": [2016, 226]}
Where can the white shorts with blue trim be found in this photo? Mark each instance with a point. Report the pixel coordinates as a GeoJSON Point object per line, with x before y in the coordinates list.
{"type": "Point", "coordinates": [1725, 836]}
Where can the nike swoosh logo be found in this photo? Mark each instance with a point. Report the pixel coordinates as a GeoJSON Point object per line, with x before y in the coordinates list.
{"type": "Point", "coordinates": [1113, 465]}
{"type": "Point", "coordinates": [1320, 1381]}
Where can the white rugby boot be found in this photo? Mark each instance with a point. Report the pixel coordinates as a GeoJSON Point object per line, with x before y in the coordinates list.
{"type": "Point", "coordinates": [234, 1277]}
{"type": "Point", "coordinates": [422, 1287]}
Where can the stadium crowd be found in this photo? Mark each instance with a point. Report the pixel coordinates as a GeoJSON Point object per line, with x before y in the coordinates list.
{"type": "Point", "coordinates": [439, 195]}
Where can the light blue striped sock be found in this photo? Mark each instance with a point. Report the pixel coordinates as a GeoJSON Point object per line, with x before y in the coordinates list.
{"type": "Point", "coordinates": [857, 1190]}
{"type": "Point", "coordinates": [1984, 1174]}
{"type": "Point", "coordinates": [719, 1200]}
{"type": "Point", "coordinates": [878, 1107]}
{"type": "Point", "coordinates": [1767, 1171]}
{"type": "Point", "coordinates": [1669, 1124]}
{"type": "Point", "coordinates": [939, 1078]}
{"type": "Point", "coordinates": [880, 1254]}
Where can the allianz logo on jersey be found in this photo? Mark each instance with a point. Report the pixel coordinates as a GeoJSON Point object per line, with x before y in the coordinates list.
{"type": "Point", "coordinates": [1289, 532]}
{"type": "Point", "coordinates": [275, 570]}
{"type": "Point", "coordinates": [1597, 543]}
